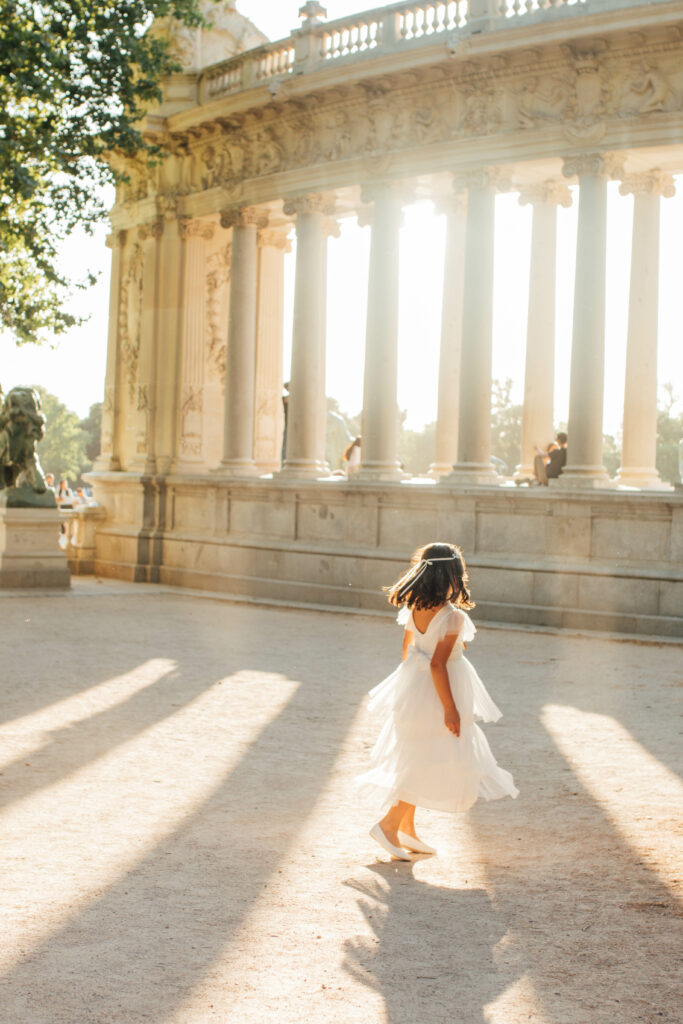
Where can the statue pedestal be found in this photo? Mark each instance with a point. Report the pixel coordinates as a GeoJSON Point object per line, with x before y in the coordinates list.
{"type": "Point", "coordinates": [30, 555]}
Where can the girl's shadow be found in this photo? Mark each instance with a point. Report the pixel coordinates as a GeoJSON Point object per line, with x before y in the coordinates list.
{"type": "Point", "coordinates": [432, 954]}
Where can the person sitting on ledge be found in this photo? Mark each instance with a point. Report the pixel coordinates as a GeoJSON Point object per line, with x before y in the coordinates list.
{"type": "Point", "coordinates": [548, 464]}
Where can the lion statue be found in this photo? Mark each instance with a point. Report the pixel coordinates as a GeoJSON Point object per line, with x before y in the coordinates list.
{"type": "Point", "coordinates": [22, 426]}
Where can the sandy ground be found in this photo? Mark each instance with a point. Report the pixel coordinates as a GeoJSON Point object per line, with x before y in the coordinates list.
{"type": "Point", "coordinates": [181, 842]}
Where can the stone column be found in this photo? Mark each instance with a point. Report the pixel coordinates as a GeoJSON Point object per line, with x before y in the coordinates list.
{"type": "Point", "coordinates": [639, 448]}
{"type": "Point", "coordinates": [238, 450]}
{"type": "Point", "coordinates": [190, 455]}
{"type": "Point", "coordinates": [379, 450]}
{"type": "Point", "coordinates": [586, 382]}
{"type": "Point", "coordinates": [268, 421]}
{"type": "Point", "coordinates": [446, 446]}
{"type": "Point", "coordinates": [168, 328]}
{"type": "Point", "coordinates": [474, 420]}
{"type": "Point", "coordinates": [108, 459]}
{"type": "Point", "coordinates": [539, 368]}
{"type": "Point", "coordinates": [144, 459]}
{"type": "Point", "coordinates": [307, 410]}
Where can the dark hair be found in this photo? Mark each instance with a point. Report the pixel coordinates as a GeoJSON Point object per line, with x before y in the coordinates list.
{"type": "Point", "coordinates": [346, 454]}
{"type": "Point", "coordinates": [428, 584]}
{"type": "Point", "coordinates": [561, 437]}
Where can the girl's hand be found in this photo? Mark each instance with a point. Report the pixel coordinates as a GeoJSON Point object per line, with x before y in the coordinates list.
{"type": "Point", "coordinates": [452, 721]}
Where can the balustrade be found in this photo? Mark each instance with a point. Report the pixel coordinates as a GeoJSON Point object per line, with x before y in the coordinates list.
{"type": "Point", "coordinates": [371, 33]}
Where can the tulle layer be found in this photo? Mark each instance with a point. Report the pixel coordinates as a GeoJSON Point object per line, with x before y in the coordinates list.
{"type": "Point", "coordinates": [416, 758]}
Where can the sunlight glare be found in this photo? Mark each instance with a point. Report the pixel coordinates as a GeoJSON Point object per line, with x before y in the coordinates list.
{"type": "Point", "coordinates": [81, 824]}
{"type": "Point", "coordinates": [633, 788]}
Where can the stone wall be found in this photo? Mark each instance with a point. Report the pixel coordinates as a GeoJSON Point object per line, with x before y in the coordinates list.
{"type": "Point", "coordinates": [608, 560]}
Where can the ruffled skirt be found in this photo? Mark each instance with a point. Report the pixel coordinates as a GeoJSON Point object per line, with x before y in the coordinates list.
{"type": "Point", "coordinates": [416, 758]}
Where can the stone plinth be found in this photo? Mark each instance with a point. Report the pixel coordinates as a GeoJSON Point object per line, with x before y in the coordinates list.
{"type": "Point", "coordinates": [30, 555]}
{"type": "Point", "coordinates": [609, 560]}
{"type": "Point", "coordinates": [82, 525]}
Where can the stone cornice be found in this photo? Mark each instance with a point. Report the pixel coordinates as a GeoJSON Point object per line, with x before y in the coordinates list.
{"type": "Point", "coordinates": [486, 108]}
{"type": "Point", "coordinates": [652, 182]}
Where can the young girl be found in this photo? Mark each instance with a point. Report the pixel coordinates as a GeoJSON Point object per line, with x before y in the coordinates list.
{"type": "Point", "coordinates": [429, 752]}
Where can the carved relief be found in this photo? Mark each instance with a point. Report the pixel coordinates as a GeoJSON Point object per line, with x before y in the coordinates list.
{"type": "Point", "coordinates": [577, 88]}
{"type": "Point", "coordinates": [143, 407]}
{"type": "Point", "coordinates": [107, 434]}
{"type": "Point", "coordinates": [191, 405]}
{"type": "Point", "coordinates": [217, 281]}
{"type": "Point", "coordinates": [646, 90]}
{"type": "Point", "coordinates": [130, 317]}
{"type": "Point", "coordinates": [541, 100]}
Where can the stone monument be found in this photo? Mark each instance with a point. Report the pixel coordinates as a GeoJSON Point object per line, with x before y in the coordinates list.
{"type": "Point", "coordinates": [30, 555]}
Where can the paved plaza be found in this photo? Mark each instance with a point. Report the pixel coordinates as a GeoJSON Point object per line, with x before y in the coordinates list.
{"type": "Point", "coordinates": [181, 842]}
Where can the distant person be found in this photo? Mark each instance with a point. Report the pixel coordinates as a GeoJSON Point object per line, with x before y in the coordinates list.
{"type": "Point", "coordinates": [548, 464]}
{"type": "Point", "coordinates": [65, 496]}
{"type": "Point", "coordinates": [50, 481]}
{"type": "Point", "coordinates": [285, 409]}
{"type": "Point", "coordinates": [351, 456]}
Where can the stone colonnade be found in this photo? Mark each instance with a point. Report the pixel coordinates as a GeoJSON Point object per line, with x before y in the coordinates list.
{"type": "Point", "coordinates": [172, 314]}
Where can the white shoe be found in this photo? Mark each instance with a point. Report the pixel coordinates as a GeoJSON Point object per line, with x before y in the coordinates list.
{"type": "Point", "coordinates": [378, 835]}
{"type": "Point", "coordinates": [416, 845]}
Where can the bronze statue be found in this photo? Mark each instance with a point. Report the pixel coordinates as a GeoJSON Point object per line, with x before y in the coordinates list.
{"type": "Point", "coordinates": [22, 426]}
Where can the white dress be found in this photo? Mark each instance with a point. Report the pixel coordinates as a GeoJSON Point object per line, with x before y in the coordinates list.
{"type": "Point", "coordinates": [416, 758]}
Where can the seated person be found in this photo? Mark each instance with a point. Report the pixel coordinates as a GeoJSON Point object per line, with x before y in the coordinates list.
{"type": "Point", "coordinates": [548, 464]}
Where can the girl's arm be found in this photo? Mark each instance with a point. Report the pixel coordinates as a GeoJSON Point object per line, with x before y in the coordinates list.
{"type": "Point", "coordinates": [407, 641]}
{"type": "Point", "coordinates": [442, 653]}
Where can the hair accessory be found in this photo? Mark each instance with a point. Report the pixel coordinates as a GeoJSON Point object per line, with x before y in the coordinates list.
{"type": "Point", "coordinates": [423, 563]}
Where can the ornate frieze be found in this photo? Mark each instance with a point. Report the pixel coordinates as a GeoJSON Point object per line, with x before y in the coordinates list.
{"type": "Point", "coordinates": [576, 90]}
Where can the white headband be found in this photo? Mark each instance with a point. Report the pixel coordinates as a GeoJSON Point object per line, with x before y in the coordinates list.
{"type": "Point", "coordinates": [424, 562]}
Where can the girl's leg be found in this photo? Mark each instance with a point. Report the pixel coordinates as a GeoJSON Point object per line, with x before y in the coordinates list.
{"type": "Point", "coordinates": [392, 820]}
{"type": "Point", "coordinates": [407, 822]}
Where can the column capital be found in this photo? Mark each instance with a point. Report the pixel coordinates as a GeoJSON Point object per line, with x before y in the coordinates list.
{"type": "Point", "coordinates": [243, 217]}
{"type": "Point", "coordinates": [331, 228]}
{"type": "Point", "coordinates": [371, 191]}
{"type": "Point", "coordinates": [602, 165]}
{"type": "Point", "coordinates": [152, 229]}
{"type": "Point", "coordinates": [116, 239]}
{"type": "Point", "coordinates": [451, 203]}
{"type": "Point", "coordinates": [274, 238]}
{"type": "Point", "coordinates": [497, 178]}
{"type": "Point", "coordinates": [311, 202]}
{"type": "Point", "coordinates": [549, 193]}
{"type": "Point", "coordinates": [652, 183]}
{"type": "Point", "coordinates": [189, 228]}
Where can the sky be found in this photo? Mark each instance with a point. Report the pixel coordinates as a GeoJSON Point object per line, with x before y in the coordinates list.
{"type": "Point", "coordinates": [74, 369]}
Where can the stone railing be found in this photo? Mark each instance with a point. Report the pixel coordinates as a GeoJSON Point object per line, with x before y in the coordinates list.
{"type": "Point", "coordinates": [379, 31]}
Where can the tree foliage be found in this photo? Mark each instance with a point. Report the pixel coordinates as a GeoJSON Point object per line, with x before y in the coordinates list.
{"type": "Point", "coordinates": [91, 425]}
{"type": "Point", "coordinates": [76, 77]}
{"type": "Point", "coordinates": [63, 450]}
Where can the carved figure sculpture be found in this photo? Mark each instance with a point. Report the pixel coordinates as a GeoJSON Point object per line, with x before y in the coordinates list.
{"type": "Point", "coordinates": [22, 426]}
